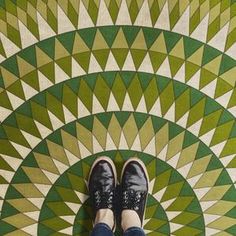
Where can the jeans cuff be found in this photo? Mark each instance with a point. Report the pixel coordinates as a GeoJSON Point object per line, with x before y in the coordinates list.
{"type": "Point", "coordinates": [131, 229]}
{"type": "Point", "coordinates": [102, 225]}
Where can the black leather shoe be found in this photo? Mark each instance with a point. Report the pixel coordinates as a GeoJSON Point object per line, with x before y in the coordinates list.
{"type": "Point", "coordinates": [102, 184]}
{"type": "Point", "coordinates": [134, 185]}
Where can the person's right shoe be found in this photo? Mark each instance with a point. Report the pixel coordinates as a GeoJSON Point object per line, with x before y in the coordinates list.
{"type": "Point", "coordinates": [134, 185]}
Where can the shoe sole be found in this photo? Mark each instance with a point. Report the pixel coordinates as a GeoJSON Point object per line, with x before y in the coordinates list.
{"type": "Point", "coordinates": [107, 159]}
{"type": "Point", "coordinates": [135, 159]}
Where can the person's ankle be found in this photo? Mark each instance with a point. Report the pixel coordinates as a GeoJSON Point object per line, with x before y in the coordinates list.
{"type": "Point", "coordinates": [105, 216]}
{"type": "Point", "coordinates": [129, 218]}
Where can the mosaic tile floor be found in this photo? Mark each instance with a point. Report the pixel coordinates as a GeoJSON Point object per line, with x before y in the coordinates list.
{"type": "Point", "coordinates": [153, 79]}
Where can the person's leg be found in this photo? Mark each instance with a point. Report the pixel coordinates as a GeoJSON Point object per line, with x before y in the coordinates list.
{"type": "Point", "coordinates": [102, 186]}
{"type": "Point", "coordinates": [134, 184]}
{"type": "Point", "coordinates": [101, 229]}
{"type": "Point", "coordinates": [134, 231]}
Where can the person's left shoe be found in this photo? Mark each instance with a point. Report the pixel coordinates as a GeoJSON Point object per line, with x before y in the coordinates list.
{"type": "Point", "coordinates": [102, 186]}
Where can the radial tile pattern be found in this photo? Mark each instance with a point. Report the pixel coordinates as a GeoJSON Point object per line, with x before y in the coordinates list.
{"type": "Point", "coordinates": [153, 79]}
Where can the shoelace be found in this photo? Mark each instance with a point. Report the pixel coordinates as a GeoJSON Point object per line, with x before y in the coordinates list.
{"type": "Point", "coordinates": [104, 199]}
{"type": "Point", "coordinates": [131, 199]}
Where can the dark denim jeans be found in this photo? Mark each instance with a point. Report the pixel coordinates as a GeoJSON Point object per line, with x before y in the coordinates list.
{"type": "Point", "coordinates": [102, 229]}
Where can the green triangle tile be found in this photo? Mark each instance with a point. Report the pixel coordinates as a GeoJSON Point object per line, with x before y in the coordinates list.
{"type": "Point", "coordinates": [172, 191]}
{"type": "Point", "coordinates": [130, 33]}
{"type": "Point", "coordinates": [179, 88]}
{"type": "Point", "coordinates": [232, 101]}
{"type": "Point", "coordinates": [226, 64]}
{"type": "Point", "coordinates": [55, 106]}
{"type": "Point", "coordinates": [9, 211]}
{"type": "Point", "coordinates": [157, 59]}
{"type": "Point", "coordinates": [40, 114]}
{"type": "Point", "coordinates": [190, 70]}
{"type": "Point", "coordinates": [213, 28]}
{"type": "Point", "coordinates": [229, 147]}
{"type": "Point", "coordinates": [133, 14]}
{"type": "Point", "coordinates": [17, 89]}
{"type": "Point", "coordinates": [232, 213]}
{"type": "Point", "coordinates": [171, 40]}
{"type": "Point", "coordinates": [158, 123]}
{"type": "Point", "coordinates": [43, 149]}
{"type": "Point", "coordinates": [45, 230]}
{"type": "Point", "coordinates": [105, 118]}
{"type": "Point", "coordinates": [162, 83]}
{"type": "Point", "coordinates": [29, 55]}
{"type": "Point", "coordinates": [138, 56]}
{"type": "Point", "coordinates": [77, 183]}
{"type": "Point", "coordinates": [69, 99]}
{"type": "Point", "coordinates": [202, 151]}
{"type": "Point", "coordinates": [48, 46]}
{"type": "Point", "coordinates": [221, 88]}
{"type": "Point", "coordinates": [151, 93]}
{"type": "Point", "coordinates": [140, 119]}
{"type": "Point", "coordinates": [122, 117]}
{"type": "Point", "coordinates": [93, 10]}
{"type": "Point", "coordinates": [15, 135]}
{"type": "Point", "coordinates": [190, 46]}
{"type": "Point", "coordinates": [144, 79]}
{"type": "Point", "coordinates": [11, 65]}
{"type": "Point", "coordinates": [211, 106]}
{"type": "Point", "coordinates": [195, 96]}
{"type": "Point", "coordinates": [206, 77]}
{"type": "Point", "coordinates": [56, 91]}
{"type": "Point", "coordinates": [73, 14]}
{"type": "Point", "coordinates": [231, 230]}
{"type": "Point", "coordinates": [222, 133]}
{"type": "Point", "coordinates": [85, 94]}
{"type": "Point", "coordinates": [150, 211]}
{"type": "Point", "coordinates": [167, 98]}
{"type": "Point", "coordinates": [186, 190]}
{"type": "Point", "coordinates": [120, 55]}
{"type": "Point", "coordinates": [185, 218]}
{"type": "Point", "coordinates": [5, 166]}
{"type": "Point", "coordinates": [187, 231]}
{"type": "Point", "coordinates": [14, 35]}
{"type": "Point", "coordinates": [119, 90]}
{"type": "Point", "coordinates": [174, 14]}
{"type": "Point", "coordinates": [196, 112]}
{"type": "Point", "coordinates": [223, 179]}
{"type": "Point", "coordinates": [233, 132]}
{"type": "Point", "coordinates": [113, 10]}
{"type": "Point", "coordinates": [67, 40]}
{"type": "Point", "coordinates": [27, 124]}
{"type": "Point", "coordinates": [151, 168]}
{"type": "Point", "coordinates": [209, 122]}
{"type": "Point", "coordinates": [182, 104]}
{"type": "Point", "coordinates": [49, 71]}
{"type": "Point", "coordinates": [214, 164]}
{"type": "Point", "coordinates": [150, 35]}
{"type": "Point", "coordinates": [194, 207]}
{"type": "Point", "coordinates": [230, 195]}
{"type": "Point", "coordinates": [6, 228]}
{"type": "Point", "coordinates": [87, 122]}
{"type": "Point", "coordinates": [189, 139]}
{"type": "Point", "coordinates": [32, 79]}
{"type": "Point", "coordinates": [56, 223]}
{"type": "Point", "coordinates": [101, 56]}
{"type": "Point", "coordinates": [25, 110]}
{"type": "Point", "coordinates": [135, 91]}
{"type": "Point", "coordinates": [109, 78]}
{"type": "Point", "coordinates": [11, 120]}
{"type": "Point", "coordinates": [199, 224]}
{"type": "Point", "coordinates": [109, 33]}
{"type": "Point", "coordinates": [20, 178]}
{"type": "Point", "coordinates": [209, 54]}
{"type": "Point", "coordinates": [174, 130]}
{"type": "Point", "coordinates": [161, 181]}
{"type": "Point", "coordinates": [67, 194]}
{"type": "Point", "coordinates": [83, 59]}
{"type": "Point", "coordinates": [73, 84]}
{"type": "Point", "coordinates": [65, 64]}
{"type": "Point", "coordinates": [4, 100]}
{"type": "Point", "coordinates": [102, 91]}
{"type": "Point", "coordinates": [2, 133]}
{"type": "Point", "coordinates": [175, 177]}
{"type": "Point", "coordinates": [88, 36]}
{"type": "Point", "coordinates": [91, 80]}
{"type": "Point", "coordinates": [30, 161]}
